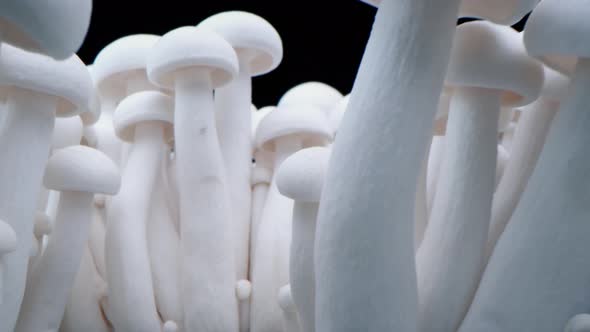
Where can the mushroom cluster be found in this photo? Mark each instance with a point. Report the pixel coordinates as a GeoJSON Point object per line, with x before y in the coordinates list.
{"type": "Point", "coordinates": [445, 193]}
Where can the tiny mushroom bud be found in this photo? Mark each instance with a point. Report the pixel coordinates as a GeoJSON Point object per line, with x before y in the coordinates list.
{"type": "Point", "coordinates": [290, 317]}
{"type": "Point", "coordinates": [78, 172]}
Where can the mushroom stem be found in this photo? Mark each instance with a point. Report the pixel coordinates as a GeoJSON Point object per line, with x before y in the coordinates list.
{"type": "Point", "coordinates": [55, 272]}
{"type": "Point", "coordinates": [25, 139]}
{"type": "Point", "coordinates": [420, 204]}
{"type": "Point", "coordinates": [451, 256]}
{"type": "Point", "coordinates": [126, 247]}
{"type": "Point", "coordinates": [435, 161]}
{"type": "Point", "coordinates": [261, 177]}
{"type": "Point", "coordinates": [540, 259]}
{"type": "Point", "coordinates": [396, 92]}
{"type": "Point", "coordinates": [233, 116]}
{"type": "Point", "coordinates": [207, 264]}
{"type": "Point", "coordinates": [528, 142]}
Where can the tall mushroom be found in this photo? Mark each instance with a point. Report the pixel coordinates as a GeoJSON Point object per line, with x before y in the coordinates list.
{"type": "Point", "coordinates": [193, 62]}
{"type": "Point", "coordinates": [283, 131]}
{"type": "Point", "coordinates": [260, 50]}
{"type": "Point", "coordinates": [365, 271]}
{"type": "Point", "coordinates": [40, 89]}
{"type": "Point", "coordinates": [539, 262]}
{"type": "Point", "coordinates": [301, 178]}
{"type": "Point", "coordinates": [78, 172]}
{"type": "Point", "coordinates": [8, 242]}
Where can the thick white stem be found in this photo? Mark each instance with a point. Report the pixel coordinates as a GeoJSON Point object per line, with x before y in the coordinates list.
{"type": "Point", "coordinates": [540, 261]}
{"type": "Point", "coordinates": [450, 258]}
{"type": "Point", "coordinates": [259, 192]}
{"type": "Point", "coordinates": [365, 270]}
{"type": "Point", "coordinates": [207, 264]}
{"type": "Point", "coordinates": [127, 259]}
{"type": "Point", "coordinates": [528, 142]}
{"type": "Point", "coordinates": [302, 272]}
{"type": "Point", "coordinates": [25, 138]}
{"type": "Point", "coordinates": [271, 264]}
{"type": "Point", "coordinates": [46, 297]}
{"type": "Point", "coordinates": [96, 242]}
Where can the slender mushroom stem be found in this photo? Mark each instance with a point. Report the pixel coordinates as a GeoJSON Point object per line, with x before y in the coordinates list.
{"type": "Point", "coordinates": [396, 92]}
{"type": "Point", "coordinates": [126, 238]}
{"type": "Point", "coordinates": [207, 265]}
{"type": "Point", "coordinates": [261, 178]}
{"type": "Point", "coordinates": [528, 142]}
{"type": "Point", "coordinates": [435, 161]}
{"type": "Point", "coordinates": [55, 272]}
{"type": "Point", "coordinates": [420, 204]}
{"type": "Point", "coordinates": [451, 256]}
{"type": "Point", "coordinates": [24, 143]}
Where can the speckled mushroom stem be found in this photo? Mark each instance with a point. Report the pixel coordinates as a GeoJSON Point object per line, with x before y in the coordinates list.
{"type": "Point", "coordinates": [126, 237]}
{"type": "Point", "coordinates": [396, 92]}
{"type": "Point", "coordinates": [207, 264]}
{"type": "Point", "coordinates": [55, 272]}
{"type": "Point", "coordinates": [528, 142]}
{"type": "Point", "coordinates": [540, 259]}
{"type": "Point", "coordinates": [452, 253]}
{"type": "Point", "coordinates": [25, 139]}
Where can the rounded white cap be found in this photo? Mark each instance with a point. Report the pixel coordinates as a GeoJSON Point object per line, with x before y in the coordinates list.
{"type": "Point", "coordinates": [285, 299]}
{"type": "Point", "coordinates": [141, 107]}
{"type": "Point", "coordinates": [301, 176]}
{"type": "Point", "coordinates": [317, 94]}
{"type": "Point", "coordinates": [243, 289]}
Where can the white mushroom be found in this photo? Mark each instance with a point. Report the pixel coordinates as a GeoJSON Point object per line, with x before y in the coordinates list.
{"type": "Point", "coordinates": [8, 243]}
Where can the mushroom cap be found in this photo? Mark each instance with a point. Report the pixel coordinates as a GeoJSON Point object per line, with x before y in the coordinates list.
{"type": "Point", "coordinates": [301, 176]}
{"type": "Point", "coordinates": [251, 36]}
{"type": "Point", "coordinates": [557, 33]}
{"type": "Point", "coordinates": [285, 299]}
{"type": "Point", "coordinates": [43, 224]}
{"type": "Point", "coordinates": [121, 59]}
{"type": "Point", "coordinates": [7, 238]}
{"type": "Point", "coordinates": [141, 107]}
{"type": "Point", "coordinates": [505, 12]}
{"type": "Point", "coordinates": [56, 28]}
{"type": "Point", "coordinates": [91, 114]}
{"type": "Point", "coordinates": [68, 80]}
{"type": "Point", "coordinates": [243, 289]}
{"type": "Point", "coordinates": [258, 116]}
{"type": "Point", "coordinates": [83, 169]}
{"type": "Point", "coordinates": [318, 94]}
{"type": "Point", "coordinates": [306, 122]}
{"type": "Point", "coordinates": [192, 48]}
{"type": "Point", "coordinates": [492, 56]}
{"type": "Point", "coordinates": [337, 113]}
{"type": "Point", "coordinates": [67, 132]}
{"type": "Point", "coordinates": [578, 323]}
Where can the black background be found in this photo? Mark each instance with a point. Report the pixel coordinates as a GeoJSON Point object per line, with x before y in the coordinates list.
{"type": "Point", "coordinates": [323, 40]}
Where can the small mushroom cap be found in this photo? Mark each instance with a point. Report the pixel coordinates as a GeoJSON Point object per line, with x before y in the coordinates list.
{"type": "Point", "coordinates": [558, 32]}
{"type": "Point", "coordinates": [578, 323]}
{"type": "Point", "coordinates": [243, 289]}
{"type": "Point", "coordinates": [67, 132]}
{"type": "Point", "coordinates": [142, 107]}
{"type": "Point", "coordinates": [7, 238]}
{"type": "Point", "coordinates": [68, 80]}
{"type": "Point", "coordinates": [285, 299]}
{"type": "Point", "coordinates": [192, 48]}
{"type": "Point", "coordinates": [120, 60]}
{"type": "Point", "coordinates": [487, 55]}
{"type": "Point", "coordinates": [301, 176]}
{"type": "Point", "coordinates": [317, 94]}
{"type": "Point", "coordinates": [306, 122]}
{"type": "Point", "coordinates": [505, 12]}
{"type": "Point", "coordinates": [258, 116]}
{"type": "Point", "coordinates": [250, 35]}
{"type": "Point", "coordinates": [337, 113]}
{"type": "Point", "coordinates": [56, 28]}
{"type": "Point", "coordinates": [43, 224]}
{"type": "Point", "coordinates": [83, 169]}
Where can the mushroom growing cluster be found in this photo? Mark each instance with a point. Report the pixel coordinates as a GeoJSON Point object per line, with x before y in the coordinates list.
{"type": "Point", "coordinates": [446, 192]}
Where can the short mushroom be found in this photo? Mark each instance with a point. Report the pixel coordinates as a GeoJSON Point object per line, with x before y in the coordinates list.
{"type": "Point", "coordinates": [78, 172]}
{"type": "Point", "coordinates": [194, 62]}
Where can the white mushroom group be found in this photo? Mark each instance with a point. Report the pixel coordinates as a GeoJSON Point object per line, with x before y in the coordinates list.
{"type": "Point", "coordinates": [446, 192]}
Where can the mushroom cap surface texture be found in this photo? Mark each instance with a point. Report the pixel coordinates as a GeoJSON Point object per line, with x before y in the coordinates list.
{"type": "Point", "coordinates": [56, 28]}
{"type": "Point", "coordinates": [492, 56]}
{"type": "Point", "coordinates": [317, 94]}
{"type": "Point", "coordinates": [141, 107]}
{"type": "Point", "coordinates": [301, 176]}
{"type": "Point", "coordinates": [83, 169]}
{"type": "Point", "coordinates": [7, 238]}
{"type": "Point", "coordinates": [188, 48]}
{"type": "Point", "coordinates": [250, 33]}
{"type": "Point", "coordinates": [68, 79]}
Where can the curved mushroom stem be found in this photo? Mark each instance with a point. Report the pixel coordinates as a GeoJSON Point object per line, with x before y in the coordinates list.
{"type": "Point", "coordinates": [528, 142]}
{"type": "Point", "coordinates": [83, 312]}
{"type": "Point", "coordinates": [126, 236]}
{"type": "Point", "coordinates": [271, 264]}
{"type": "Point", "coordinates": [24, 145]}
{"type": "Point", "coordinates": [396, 92]}
{"type": "Point", "coordinates": [55, 272]}
{"type": "Point", "coordinates": [451, 256]}
{"type": "Point", "coordinates": [302, 272]}
{"type": "Point", "coordinates": [207, 264]}
{"type": "Point", "coordinates": [546, 238]}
